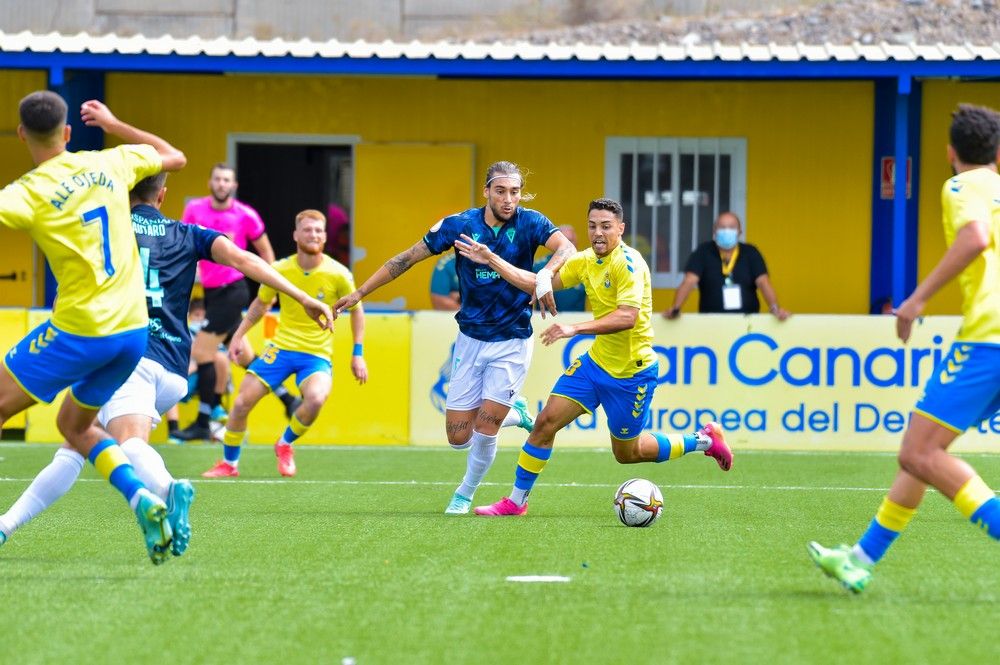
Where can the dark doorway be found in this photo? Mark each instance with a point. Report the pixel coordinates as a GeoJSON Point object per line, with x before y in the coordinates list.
{"type": "Point", "coordinates": [280, 180]}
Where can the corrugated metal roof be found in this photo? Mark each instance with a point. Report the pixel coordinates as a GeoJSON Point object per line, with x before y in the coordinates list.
{"type": "Point", "coordinates": [27, 42]}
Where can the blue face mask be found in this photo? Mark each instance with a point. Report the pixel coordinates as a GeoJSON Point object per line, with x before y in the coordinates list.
{"type": "Point", "coordinates": [726, 238]}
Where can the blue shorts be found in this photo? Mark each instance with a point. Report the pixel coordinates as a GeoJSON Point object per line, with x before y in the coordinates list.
{"type": "Point", "coordinates": [274, 365]}
{"type": "Point", "coordinates": [965, 387]}
{"type": "Point", "coordinates": [49, 360]}
{"type": "Point", "coordinates": [626, 401]}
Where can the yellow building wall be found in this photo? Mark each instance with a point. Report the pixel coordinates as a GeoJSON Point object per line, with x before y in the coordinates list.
{"type": "Point", "coordinates": [940, 98]}
{"type": "Point", "coordinates": [809, 147]}
{"type": "Point", "coordinates": [16, 249]}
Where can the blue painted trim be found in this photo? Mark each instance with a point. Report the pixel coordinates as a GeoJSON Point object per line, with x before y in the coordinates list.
{"type": "Point", "coordinates": [880, 275]}
{"type": "Point", "coordinates": [913, 209]}
{"type": "Point", "coordinates": [488, 67]}
{"type": "Point", "coordinates": [900, 144]}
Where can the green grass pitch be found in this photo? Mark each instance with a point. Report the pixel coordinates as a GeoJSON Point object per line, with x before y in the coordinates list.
{"type": "Point", "coordinates": [354, 560]}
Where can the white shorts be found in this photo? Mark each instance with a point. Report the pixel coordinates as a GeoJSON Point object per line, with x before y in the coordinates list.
{"type": "Point", "coordinates": [492, 371]}
{"type": "Point", "coordinates": [149, 391]}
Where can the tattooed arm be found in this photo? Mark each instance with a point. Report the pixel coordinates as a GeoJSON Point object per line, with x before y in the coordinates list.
{"type": "Point", "coordinates": [392, 269]}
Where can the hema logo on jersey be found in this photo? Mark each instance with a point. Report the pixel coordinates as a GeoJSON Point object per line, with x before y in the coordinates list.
{"type": "Point", "coordinates": [486, 275]}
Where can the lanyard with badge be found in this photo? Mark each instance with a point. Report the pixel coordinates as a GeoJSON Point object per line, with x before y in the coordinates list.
{"type": "Point", "coordinates": [732, 294]}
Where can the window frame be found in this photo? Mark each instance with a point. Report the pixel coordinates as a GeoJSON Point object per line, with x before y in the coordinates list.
{"type": "Point", "coordinates": [672, 147]}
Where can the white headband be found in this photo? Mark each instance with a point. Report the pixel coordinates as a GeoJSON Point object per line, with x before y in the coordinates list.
{"type": "Point", "coordinates": [506, 175]}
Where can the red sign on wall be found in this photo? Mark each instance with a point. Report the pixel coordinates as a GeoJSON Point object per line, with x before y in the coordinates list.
{"type": "Point", "coordinates": [889, 177]}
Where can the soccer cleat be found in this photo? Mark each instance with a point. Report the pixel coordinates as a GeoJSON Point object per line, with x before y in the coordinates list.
{"type": "Point", "coordinates": [174, 439]}
{"type": "Point", "coordinates": [459, 505]}
{"type": "Point", "coordinates": [527, 420]}
{"type": "Point", "coordinates": [219, 414]}
{"type": "Point", "coordinates": [222, 469]}
{"type": "Point", "coordinates": [841, 564]}
{"type": "Point", "coordinates": [292, 406]}
{"type": "Point", "coordinates": [502, 508]}
{"type": "Point", "coordinates": [194, 433]}
{"type": "Point", "coordinates": [3, 538]}
{"type": "Point", "coordinates": [151, 513]}
{"type": "Point", "coordinates": [286, 459]}
{"type": "Point", "coordinates": [179, 500]}
{"type": "Point", "coordinates": [719, 450]}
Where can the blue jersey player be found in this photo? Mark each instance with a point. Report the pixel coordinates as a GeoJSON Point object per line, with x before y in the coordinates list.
{"type": "Point", "coordinates": [494, 343]}
{"type": "Point", "coordinates": [169, 252]}
{"type": "Point", "coordinates": [75, 206]}
{"type": "Point", "coordinates": [965, 388]}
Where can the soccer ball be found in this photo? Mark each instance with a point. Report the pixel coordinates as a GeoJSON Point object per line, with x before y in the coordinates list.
{"type": "Point", "coordinates": [638, 502]}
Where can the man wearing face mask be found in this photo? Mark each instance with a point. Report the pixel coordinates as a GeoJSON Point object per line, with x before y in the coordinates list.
{"type": "Point", "coordinates": [727, 273]}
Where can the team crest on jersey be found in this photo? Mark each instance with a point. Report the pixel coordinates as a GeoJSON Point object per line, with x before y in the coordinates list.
{"type": "Point", "coordinates": [475, 237]}
{"type": "Point", "coordinates": [320, 294]}
{"type": "Point", "coordinates": [510, 235]}
{"type": "Point", "coordinates": [607, 280]}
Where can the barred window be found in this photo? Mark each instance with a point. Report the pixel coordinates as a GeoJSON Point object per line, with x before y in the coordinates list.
{"type": "Point", "coordinates": [672, 189]}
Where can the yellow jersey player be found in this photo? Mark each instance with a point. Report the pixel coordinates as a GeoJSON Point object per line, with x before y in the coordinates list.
{"type": "Point", "coordinates": [619, 372]}
{"type": "Point", "coordinates": [298, 348]}
{"type": "Point", "coordinates": [75, 206]}
{"type": "Point", "coordinates": [965, 388]}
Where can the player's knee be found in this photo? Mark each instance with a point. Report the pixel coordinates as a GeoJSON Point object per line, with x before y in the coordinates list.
{"type": "Point", "coordinates": [459, 438]}
{"type": "Point", "coordinates": [914, 461]}
{"type": "Point", "coordinates": [313, 403]}
{"type": "Point", "coordinates": [545, 426]}
{"type": "Point", "coordinates": [626, 454]}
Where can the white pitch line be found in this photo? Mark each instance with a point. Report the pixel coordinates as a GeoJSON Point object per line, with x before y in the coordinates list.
{"type": "Point", "coordinates": [448, 483]}
{"type": "Point", "coordinates": [537, 578]}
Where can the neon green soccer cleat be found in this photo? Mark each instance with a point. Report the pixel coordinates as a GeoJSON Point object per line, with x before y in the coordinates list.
{"type": "Point", "coordinates": [151, 513]}
{"type": "Point", "coordinates": [841, 564]}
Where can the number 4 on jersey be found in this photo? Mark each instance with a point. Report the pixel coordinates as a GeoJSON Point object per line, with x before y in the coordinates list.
{"type": "Point", "coordinates": [152, 276]}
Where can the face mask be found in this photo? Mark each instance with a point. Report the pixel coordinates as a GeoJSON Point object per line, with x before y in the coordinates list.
{"type": "Point", "coordinates": [726, 238]}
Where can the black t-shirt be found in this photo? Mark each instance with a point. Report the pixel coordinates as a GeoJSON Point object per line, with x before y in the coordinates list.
{"type": "Point", "coordinates": [706, 262]}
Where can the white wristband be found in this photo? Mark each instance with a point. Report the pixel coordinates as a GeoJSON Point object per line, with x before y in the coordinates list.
{"type": "Point", "coordinates": [543, 283]}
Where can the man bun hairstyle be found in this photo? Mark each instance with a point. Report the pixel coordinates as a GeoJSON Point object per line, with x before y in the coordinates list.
{"type": "Point", "coordinates": [42, 113]}
{"type": "Point", "coordinates": [975, 134]}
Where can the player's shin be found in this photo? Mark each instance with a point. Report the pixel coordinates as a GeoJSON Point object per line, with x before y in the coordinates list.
{"type": "Point", "coordinates": [296, 428]}
{"type": "Point", "coordinates": [889, 522]}
{"type": "Point", "coordinates": [674, 445]}
{"type": "Point", "coordinates": [148, 466]}
{"type": "Point", "coordinates": [482, 452]}
{"type": "Point", "coordinates": [980, 505]}
{"type": "Point", "coordinates": [530, 463]}
{"type": "Point", "coordinates": [51, 483]}
{"type": "Point", "coordinates": [112, 463]}
{"type": "Point", "coordinates": [231, 442]}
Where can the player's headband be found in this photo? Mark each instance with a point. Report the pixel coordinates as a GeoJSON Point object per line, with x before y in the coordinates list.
{"type": "Point", "coordinates": [506, 175]}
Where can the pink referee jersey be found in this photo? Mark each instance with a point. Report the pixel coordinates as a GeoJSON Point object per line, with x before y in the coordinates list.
{"type": "Point", "coordinates": [240, 223]}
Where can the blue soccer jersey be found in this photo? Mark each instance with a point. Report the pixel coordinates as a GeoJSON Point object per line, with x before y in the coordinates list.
{"type": "Point", "coordinates": [492, 309]}
{"type": "Point", "coordinates": [169, 252]}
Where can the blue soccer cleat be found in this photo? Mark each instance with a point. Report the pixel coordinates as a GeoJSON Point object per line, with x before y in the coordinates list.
{"type": "Point", "coordinates": [459, 505]}
{"type": "Point", "coordinates": [527, 420]}
{"type": "Point", "coordinates": [219, 414]}
{"type": "Point", "coordinates": [179, 500]}
{"type": "Point", "coordinates": [151, 513]}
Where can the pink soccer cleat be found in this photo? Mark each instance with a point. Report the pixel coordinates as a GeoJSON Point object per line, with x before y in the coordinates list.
{"type": "Point", "coordinates": [286, 460]}
{"type": "Point", "coordinates": [222, 469]}
{"type": "Point", "coordinates": [719, 450]}
{"type": "Point", "coordinates": [501, 508]}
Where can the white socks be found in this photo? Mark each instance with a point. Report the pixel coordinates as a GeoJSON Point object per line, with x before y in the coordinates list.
{"type": "Point", "coordinates": [481, 456]}
{"type": "Point", "coordinates": [51, 483]}
{"type": "Point", "coordinates": [512, 419]}
{"type": "Point", "coordinates": [148, 466]}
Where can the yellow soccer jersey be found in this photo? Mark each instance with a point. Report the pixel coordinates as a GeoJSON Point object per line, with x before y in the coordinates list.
{"type": "Point", "coordinates": [75, 207]}
{"type": "Point", "coordinates": [975, 196]}
{"type": "Point", "coordinates": [328, 282]}
{"type": "Point", "coordinates": [621, 278]}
